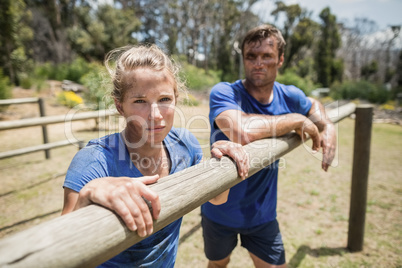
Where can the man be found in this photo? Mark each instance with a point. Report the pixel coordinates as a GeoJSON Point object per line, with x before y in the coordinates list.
{"type": "Point", "coordinates": [247, 110]}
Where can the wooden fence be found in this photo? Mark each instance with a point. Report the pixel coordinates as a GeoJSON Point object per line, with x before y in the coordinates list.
{"type": "Point", "coordinates": [42, 113]}
{"type": "Point", "coordinates": [92, 235]}
{"type": "Point", "coordinates": [43, 121]}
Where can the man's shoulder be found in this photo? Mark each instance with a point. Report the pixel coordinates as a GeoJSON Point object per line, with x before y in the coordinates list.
{"type": "Point", "coordinates": [286, 88]}
{"type": "Point", "coordinates": [289, 91]}
{"type": "Point", "coordinates": [225, 89]}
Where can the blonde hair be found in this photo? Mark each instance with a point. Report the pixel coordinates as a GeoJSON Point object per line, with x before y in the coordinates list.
{"type": "Point", "coordinates": [120, 61]}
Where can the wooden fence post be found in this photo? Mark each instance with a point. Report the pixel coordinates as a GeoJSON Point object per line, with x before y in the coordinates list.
{"type": "Point", "coordinates": [360, 171]}
{"type": "Point", "coordinates": [44, 128]}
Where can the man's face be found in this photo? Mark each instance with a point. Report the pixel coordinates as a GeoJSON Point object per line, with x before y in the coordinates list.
{"type": "Point", "coordinates": [261, 62]}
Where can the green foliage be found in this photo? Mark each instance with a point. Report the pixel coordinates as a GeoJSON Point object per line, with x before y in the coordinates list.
{"type": "Point", "coordinates": [189, 100]}
{"type": "Point", "coordinates": [197, 78]}
{"type": "Point", "coordinates": [77, 69]}
{"type": "Point", "coordinates": [98, 32]}
{"type": "Point", "coordinates": [25, 81]}
{"type": "Point", "coordinates": [360, 90]}
{"type": "Point", "coordinates": [74, 71]}
{"type": "Point", "coordinates": [328, 69]}
{"type": "Point", "coordinates": [15, 34]}
{"type": "Point", "coordinates": [291, 78]}
{"type": "Point", "coordinates": [369, 69]}
{"type": "Point", "coordinates": [98, 84]}
{"type": "Point", "coordinates": [5, 86]}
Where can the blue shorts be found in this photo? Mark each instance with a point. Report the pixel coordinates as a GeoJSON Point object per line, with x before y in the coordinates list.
{"type": "Point", "coordinates": [264, 241]}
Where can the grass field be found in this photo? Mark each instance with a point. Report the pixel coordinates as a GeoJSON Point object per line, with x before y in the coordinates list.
{"type": "Point", "coordinates": [313, 206]}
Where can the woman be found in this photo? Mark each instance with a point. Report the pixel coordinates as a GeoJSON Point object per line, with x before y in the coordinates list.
{"type": "Point", "coordinates": [114, 171]}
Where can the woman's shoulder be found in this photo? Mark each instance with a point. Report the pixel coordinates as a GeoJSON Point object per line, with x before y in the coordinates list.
{"type": "Point", "coordinates": [181, 134]}
{"type": "Point", "coordinates": [183, 147]}
{"type": "Point", "coordinates": [105, 141]}
{"type": "Point", "coordinates": [101, 148]}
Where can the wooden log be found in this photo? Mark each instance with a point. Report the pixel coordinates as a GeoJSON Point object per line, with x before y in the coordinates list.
{"type": "Point", "coordinates": [18, 101]}
{"type": "Point", "coordinates": [41, 121]}
{"type": "Point", "coordinates": [37, 148]}
{"type": "Point", "coordinates": [92, 235]}
{"type": "Point", "coordinates": [360, 172]}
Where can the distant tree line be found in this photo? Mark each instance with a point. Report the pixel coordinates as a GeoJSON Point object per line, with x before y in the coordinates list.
{"type": "Point", "coordinates": [205, 33]}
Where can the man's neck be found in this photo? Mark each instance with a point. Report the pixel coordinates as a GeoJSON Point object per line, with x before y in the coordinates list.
{"type": "Point", "coordinates": [263, 94]}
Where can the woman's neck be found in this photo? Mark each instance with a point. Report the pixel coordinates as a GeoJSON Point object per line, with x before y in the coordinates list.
{"type": "Point", "coordinates": [149, 159]}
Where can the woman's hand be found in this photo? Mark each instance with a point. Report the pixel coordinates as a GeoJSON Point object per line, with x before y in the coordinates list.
{"type": "Point", "coordinates": [125, 196]}
{"type": "Point", "coordinates": [234, 151]}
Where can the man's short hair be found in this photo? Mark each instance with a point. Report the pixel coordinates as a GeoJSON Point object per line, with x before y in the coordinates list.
{"type": "Point", "coordinates": [262, 32]}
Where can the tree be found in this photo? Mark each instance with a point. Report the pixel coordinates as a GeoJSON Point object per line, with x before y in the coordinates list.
{"type": "Point", "coordinates": [357, 47]}
{"type": "Point", "coordinates": [51, 19]}
{"type": "Point", "coordinates": [369, 69]}
{"type": "Point", "coordinates": [94, 34]}
{"type": "Point", "coordinates": [328, 69]}
{"type": "Point", "coordinates": [299, 31]}
{"type": "Point", "coordinates": [15, 34]}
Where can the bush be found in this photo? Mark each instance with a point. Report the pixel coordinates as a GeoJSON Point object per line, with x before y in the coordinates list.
{"type": "Point", "coordinates": [197, 79]}
{"type": "Point", "coordinates": [25, 81]}
{"type": "Point", "coordinates": [5, 86]}
{"type": "Point", "coordinates": [291, 78]}
{"type": "Point", "coordinates": [74, 71]}
{"type": "Point", "coordinates": [98, 84]}
{"type": "Point", "coordinates": [189, 100]}
{"type": "Point", "coordinates": [69, 99]}
{"type": "Point", "coordinates": [77, 69]}
{"type": "Point", "coordinates": [363, 90]}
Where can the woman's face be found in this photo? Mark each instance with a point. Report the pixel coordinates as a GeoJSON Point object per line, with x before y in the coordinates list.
{"type": "Point", "coordinates": [148, 106]}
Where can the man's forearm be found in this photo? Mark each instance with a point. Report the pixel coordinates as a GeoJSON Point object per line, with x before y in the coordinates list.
{"type": "Point", "coordinates": [318, 116]}
{"type": "Point", "coordinates": [245, 128]}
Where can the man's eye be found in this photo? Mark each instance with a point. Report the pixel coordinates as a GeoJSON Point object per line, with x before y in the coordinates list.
{"type": "Point", "coordinates": [165, 99]}
{"type": "Point", "coordinates": [139, 101]}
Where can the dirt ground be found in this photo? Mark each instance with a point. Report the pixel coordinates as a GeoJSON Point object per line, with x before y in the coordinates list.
{"type": "Point", "coordinates": [313, 206]}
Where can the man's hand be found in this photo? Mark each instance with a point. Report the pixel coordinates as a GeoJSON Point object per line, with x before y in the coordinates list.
{"type": "Point", "coordinates": [125, 196]}
{"type": "Point", "coordinates": [328, 144]}
{"type": "Point", "coordinates": [234, 151]}
{"type": "Point", "coordinates": [311, 129]}
{"type": "Point", "coordinates": [327, 131]}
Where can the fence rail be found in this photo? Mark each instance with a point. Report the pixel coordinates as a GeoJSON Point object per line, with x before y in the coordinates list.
{"type": "Point", "coordinates": [18, 101]}
{"type": "Point", "coordinates": [40, 147]}
{"type": "Point", "coordinates": [92, 235]}
{"type": "Point", "coordinates": [43, 121]}
{"type": "Point", "coordinates": [54, 119]}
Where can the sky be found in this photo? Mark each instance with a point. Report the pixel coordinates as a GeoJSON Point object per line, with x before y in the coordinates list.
{"type": "Point", "coordinates": [383, 12]}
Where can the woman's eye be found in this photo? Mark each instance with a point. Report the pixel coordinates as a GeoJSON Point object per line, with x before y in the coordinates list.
{"type": "Point", "coordinates": [165, 99]}
{"type": "Point", "coordinates": [139, 101]}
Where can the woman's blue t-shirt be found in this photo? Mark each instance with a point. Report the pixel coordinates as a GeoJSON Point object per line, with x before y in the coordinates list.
{"type": "Point", "coordinates": [109, 157]}
{"type": "Point", "coordinates": [253, 201]}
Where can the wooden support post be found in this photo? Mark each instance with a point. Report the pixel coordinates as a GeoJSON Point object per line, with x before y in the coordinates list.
{"type": "Point", "coordinates": [360, 171]}
{"type": "Point", "coordinates": [44, 128]}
